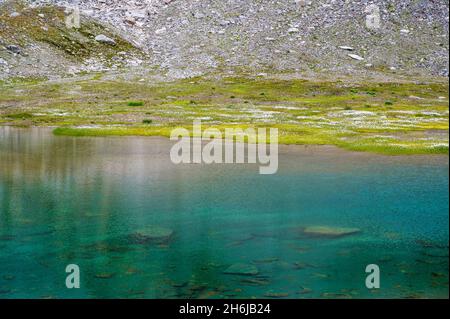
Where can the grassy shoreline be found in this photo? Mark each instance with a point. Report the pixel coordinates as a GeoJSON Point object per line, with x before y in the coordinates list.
{"type": "Point", "coordinates": [388, 118]}
{"type": "Point", "coordinates": [285, 139]}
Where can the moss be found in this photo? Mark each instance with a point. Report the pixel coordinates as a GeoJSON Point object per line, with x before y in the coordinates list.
{"type": "Point", "coordinates": [20, 116]}
{"type": "Point", "coordinates": [135, 103]}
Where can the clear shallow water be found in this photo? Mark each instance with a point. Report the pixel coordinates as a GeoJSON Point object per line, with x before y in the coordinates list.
{"type": "Point", "coordinates": [70, 200]}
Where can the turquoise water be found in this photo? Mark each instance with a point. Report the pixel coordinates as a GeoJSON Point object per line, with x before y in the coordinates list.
{"type": "Point", "coordinates": [81, 201]}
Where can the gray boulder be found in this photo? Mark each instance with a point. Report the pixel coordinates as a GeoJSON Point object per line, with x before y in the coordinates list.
{"type": "Point", "coordinates": [104, 39]}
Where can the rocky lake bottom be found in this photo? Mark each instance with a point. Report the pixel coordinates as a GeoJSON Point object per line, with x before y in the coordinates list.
{"type": "Point", "coordinates": [139, 226]}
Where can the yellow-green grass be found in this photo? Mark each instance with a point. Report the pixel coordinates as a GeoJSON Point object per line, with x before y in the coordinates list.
{"type": "Point", "coordinates": [388, 118]}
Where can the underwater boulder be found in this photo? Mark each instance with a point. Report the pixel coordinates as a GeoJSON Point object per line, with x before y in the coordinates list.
{"type": "Point", "coordinates": [271, 294]}
{"type": "Point", "coordinates": [242, 269]}
{"type": "Point", "coordinates": [152, 234]}
{"type": "Point", "coordinates": [329, 232]}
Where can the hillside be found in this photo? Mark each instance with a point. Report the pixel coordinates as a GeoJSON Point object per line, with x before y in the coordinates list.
{"type": "Point", "coordinates": [184, 38]}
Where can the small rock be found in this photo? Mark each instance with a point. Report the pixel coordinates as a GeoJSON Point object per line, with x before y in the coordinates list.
{"type": "Point", "coordinates": [13, 48]}
{"type": "Point", "coordinates": [153, 234]}
{"type": "Point", "coordinates": [301, 265]}
{"type": "Point", "coordinates": [347, 48]}
{"type": "Point", "coordinates": [198, 15]}
{"type": "Point", "coordinates": [255, 281]}
{"type": "Point", "coordinates": [356, 57]}
{"type": "Point", "coordinates": [104, 275]}
{"type": "Point", "coordinates": [14, 15]}
{"type": "Point", "coordinates": [242, 269]}
{"type": "Point", "coordinates": [161, 31]}
{"type": "Point", "coordinates": [266, 261]}
{"type": "Point", "coordinates": [404, 31]}
{"type": "Point", "coordinates": [41, 15]}
{"type": "Point", "coordinates": [438, 274]}
{"type": "Point", "coordinates": [305, 291]}
{"type": "Point", "coordinates": [104, 39]}
{"type": "Point", "coordinates": [276, 294]}
{"type": "Point", "coordinates": [130, 20]}
{"type": "Point", "coordinates": [4, 291]}
{"type": "Point", "coordinates": [293, 30]}
{"type": "Point", "coordinates": [330, 232]}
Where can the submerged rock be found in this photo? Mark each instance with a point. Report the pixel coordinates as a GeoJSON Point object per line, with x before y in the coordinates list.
{"type": "Point", "coordinates": [255, 281]}
{"type": "Point", "coordinates": [301, 265]}
{"type": "Point", "coordinates": [153, 234]}
{"type": "Point", "coordinates": [4, 291]}
{"type": "Point", "coordinates": [333, 295]}
{"type": "Point", "coordinates": [271, 294]}
{"type": "Point", "coordinates": [242, 269]}
{"type": "Point", "coordinates": [329, 232]}
{"type": "Point", "coordinates": [266, 261]}
{"type": "Point", "coordinates": [104, 276]}
{"type": "Point", "coordinates": [305, 290]}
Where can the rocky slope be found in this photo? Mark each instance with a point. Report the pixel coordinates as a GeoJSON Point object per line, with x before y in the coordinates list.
{"type": "Point", "coordinates": [183, 38]}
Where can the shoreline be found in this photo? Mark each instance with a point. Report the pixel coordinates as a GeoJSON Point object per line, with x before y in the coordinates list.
{"type": "Point", "coordinates": [382, 118]}
{"type": "Point", "coordinates": [284, 149]}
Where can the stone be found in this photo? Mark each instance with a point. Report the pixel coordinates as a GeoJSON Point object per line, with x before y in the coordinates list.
{"type": "Point", "coordinates": [153, 234]}
{"type": "Point", "coordinates": [276, 294]}
{"type": "Point", "coordinates": [356, 57]}
{"type": "Point", "coordinates": [104, 39]}
{"type": "Point", "coordinates": [198, 15]}
{"type": "Point", "coordinates": [255, 281]}
{"type": "Point", "coordinates": [329, 232]}
{"type": "Point", "coordinates": [130, 20]}
{"type": "Point", "coordinates": [242, 269]}
{"type": "Point", "coordinates": [266, 261]}
{"type": "Point", "coordinates": [301, 265]}
{"type": "Point", "coordinates": [104, 275]}
{"type": "Point", "coordinates": [305, 290]}
{"type": "Point", "coordinates": [293, 30]}
{"type": "Point", "coordinates": [160, 31]}
{"type": "Point", "coordinates": [13, 48]}
{"type": "Point", "coordinates": [14, 15]}
{"type": "Point", "coordinates": [347, 48]}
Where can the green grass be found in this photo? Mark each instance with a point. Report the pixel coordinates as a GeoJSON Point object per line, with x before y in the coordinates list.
{"type": "Point", "coordinates": [135, 103]}
{"type": "Point", "coordinates": [19, 116]}
{"type": "Point", "coordinates": [351, 116]}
